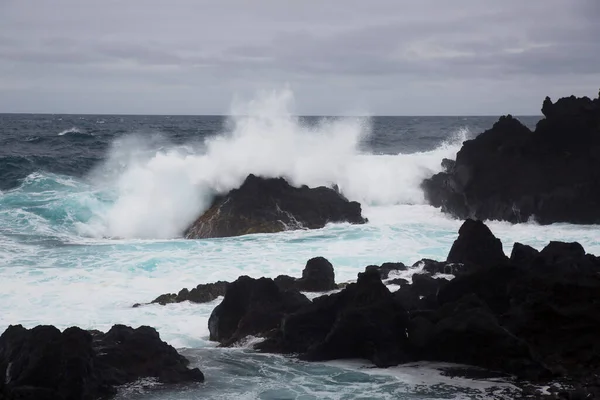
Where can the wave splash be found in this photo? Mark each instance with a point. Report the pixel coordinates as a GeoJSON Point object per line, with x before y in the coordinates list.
{"type": "Point", "coordinates": [159, 188]}
{"type": "Point", "coordinates": [70, 131]}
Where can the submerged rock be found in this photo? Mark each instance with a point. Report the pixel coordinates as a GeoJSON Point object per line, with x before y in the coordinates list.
{"type": "Point", "coordinates": [267, 205]}
{"type": "Point", "coordinates": [45, 363]}
{"type": "Point", "coordinates": [511, 173]}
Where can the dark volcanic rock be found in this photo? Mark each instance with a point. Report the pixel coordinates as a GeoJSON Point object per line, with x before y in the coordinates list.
{"type": "Point", "coordinates": [442, 267]}
{"type": "Point", "coordinates": [202, 293]}
{"type": "Point", "coordinates": [477, 246]}
{"type": "Point", "coordinates": [467, 332]}
{"type": "Point", "coordinates": [44, 363]}
{"type": "Point", "coordinates": [251, 307]}
{"type": "Point", "coordinates": [361, 321]}
{"type": "Point", "coordinates": [523, 255]}
{"type": "Point", "coordinates": [317, 276]}
{"type": "Point", "coordinates": [385, 269]}
{"type": "Point", "coordinates": [263, 205]}
{"type": "Point", "coordinates": [422, 294]}
{"type": "Point", "coordinates": [510, 173]}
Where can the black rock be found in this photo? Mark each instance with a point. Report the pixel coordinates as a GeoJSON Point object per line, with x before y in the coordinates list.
{"type": "Point", "coordinates": [385, 269]}
{"type": "Point", "coordinates": [397, 281]}
{"type": "Point", "coordinates": [467, 332]}
{"type": "Point", "coordinates": [477, 246]}
{"type": "Point", "coordinates": [203, 293]}
{"type": "Point", "coordinates": [422, 294]}
{"type": "Point", "coordinates": [317, 276]}
{"type": "Point", "coordinates": [442, 267]}
{"type": "Point", "coordinates": [251, 307]}
{"type": "Point", "coordinates": [44, 363]}
{"type": "Point", "coordinates": [361, 321]}
{"type": "Point", "coordinates": [511, 173]}
{"type": "Point", "coordinates": [523, 255]}
{"type": "Point", "coordinates": [264, 205]}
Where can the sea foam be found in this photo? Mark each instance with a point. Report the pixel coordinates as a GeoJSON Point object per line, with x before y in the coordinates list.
{"type": "Point", "coordinates": [159, 188]}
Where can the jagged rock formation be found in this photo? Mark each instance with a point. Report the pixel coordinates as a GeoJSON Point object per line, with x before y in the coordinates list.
{"type": "Point", "coordinates": [44, 363]}
{"type": "Point", "coordinates": [511, 173]}
{"type": "Point", "coordinates": [270, 205]}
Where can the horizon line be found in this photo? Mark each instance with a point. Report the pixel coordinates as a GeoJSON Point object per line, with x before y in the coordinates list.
{"type": "Point", "coordinates": [294, 115]}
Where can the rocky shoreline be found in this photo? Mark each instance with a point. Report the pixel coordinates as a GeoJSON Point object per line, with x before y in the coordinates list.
{"type": "Point", "coordinates": [533, 315]}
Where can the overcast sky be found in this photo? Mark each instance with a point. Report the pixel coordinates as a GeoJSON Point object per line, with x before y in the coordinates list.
{"type": "Point", "coordinates": [385, 57]}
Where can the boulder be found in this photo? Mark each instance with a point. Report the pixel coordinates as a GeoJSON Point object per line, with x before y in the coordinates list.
{"type": "Point", "coordinates": [45, 363]}
{"type": "Point", "coordinates": [267, 205]}
{"type": "Point", "coordinates": [511, 173]}
{"type": "Point", "coordinates": [317, 276]}
{"type": "Point", "coordinates": [361, 321]}
{"type": "Point", "coordinates": [477, 246]}
{"type": "Point", "coordinates": [251, 307]}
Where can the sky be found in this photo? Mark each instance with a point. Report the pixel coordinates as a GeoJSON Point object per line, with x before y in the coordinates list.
{"type": "Point", "coordinates": [339, 57]}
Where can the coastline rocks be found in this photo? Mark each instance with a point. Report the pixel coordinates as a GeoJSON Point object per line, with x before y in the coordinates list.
{"type": "Point", "coordinates": [45, 363]}
{"type": "Point", "coordinates": [511, 173]}
{"type": "Point", "coordinates": [362, 321]}
{"type": "Point", "coordinates": [251, 307]}
{"type": "Point", "coordinates": [466, 332]}
{"type": "Point", "coordinates": [267, 205]}
{"type": "Point", "coordinates": [535, 315]}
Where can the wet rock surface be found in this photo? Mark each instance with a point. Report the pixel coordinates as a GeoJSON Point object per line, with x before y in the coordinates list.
{"type": "Point", "coordinates": [535, 315]}
{"type": "Point", "coordinates": [267, 205]}
{"type": "Point", "coordinates": [45, 363]}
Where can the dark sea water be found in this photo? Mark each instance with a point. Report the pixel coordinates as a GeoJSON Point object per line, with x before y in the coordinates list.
{"type": "Point", "coordinates": [92, 209]}
{"type": "Point", "coordinates": [74, 144]}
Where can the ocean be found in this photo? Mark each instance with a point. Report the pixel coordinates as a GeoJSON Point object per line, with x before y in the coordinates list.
{"type": "Point", "coordinates": [92, 208]}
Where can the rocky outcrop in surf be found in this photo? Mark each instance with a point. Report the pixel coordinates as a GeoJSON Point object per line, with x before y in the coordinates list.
{"type": "Point", "coordinates": [511, 173]}
{"type": "Point", "coordinates": [45, 363]}
{"type": "Point", "coordinates": [252, 307]}
{"type": "Point", "coordinates": [534, 315]}
{"type": "Point", "coordinates": [267, 205]}
{"type": "Point", "coordinates": [317, 276]}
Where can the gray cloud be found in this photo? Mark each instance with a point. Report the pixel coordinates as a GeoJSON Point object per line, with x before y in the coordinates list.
{"type": "Point", "coordinates": [339, 56]}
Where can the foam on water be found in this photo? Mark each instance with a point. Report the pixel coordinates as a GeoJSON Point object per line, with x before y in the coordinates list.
{"type": "Point", "coordinates": [159, 189]}
{"type": "Point", "coordinates": [70, 131]}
